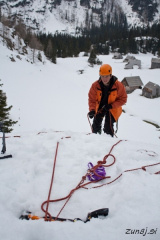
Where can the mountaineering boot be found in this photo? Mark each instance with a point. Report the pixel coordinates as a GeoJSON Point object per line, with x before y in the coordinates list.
{"type": "Point", "coordinates": [99, 130]}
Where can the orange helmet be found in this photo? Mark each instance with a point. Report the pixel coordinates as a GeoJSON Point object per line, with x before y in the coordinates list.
{"type": "Point", "coordinates": [105, 69]}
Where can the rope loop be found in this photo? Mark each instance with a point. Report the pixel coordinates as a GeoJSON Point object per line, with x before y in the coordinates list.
{"type": "Point", "coordinates": [104, 160]}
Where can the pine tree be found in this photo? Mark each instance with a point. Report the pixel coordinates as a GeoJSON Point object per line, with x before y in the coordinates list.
{"type": "Point", "coordinates": [123, 46]}
{"type": "Point", "coordinates": [92, 57]}
{"type": "Point", "coordinates": [39, 56]}
{"type": "Point", "coordinates": [4, 113]}
{"type": "Point", "coordinates": [53, 57]}
{"type": "Point", "coordinates": [35, 45]}
{"type": "Point", "coordinates": [133, 46]}
{"type": "Point", "coordinates": [49, 49]}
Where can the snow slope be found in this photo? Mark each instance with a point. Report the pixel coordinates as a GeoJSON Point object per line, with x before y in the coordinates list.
{"type": "Point", "coordinates": [52, 100]}
{"type": "Point", "coordinates": [49, 96]}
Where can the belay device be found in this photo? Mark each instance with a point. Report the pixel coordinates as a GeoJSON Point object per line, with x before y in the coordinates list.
{"type": "Point", "coordinates": [3, 143]}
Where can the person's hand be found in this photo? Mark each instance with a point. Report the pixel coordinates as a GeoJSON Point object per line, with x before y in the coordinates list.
{"type": "Point", "coordinates": [91, 114]}
{"type": "Point", "coordinates": [106, 108]}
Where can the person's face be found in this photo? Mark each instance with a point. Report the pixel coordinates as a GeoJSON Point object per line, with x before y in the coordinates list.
{"type": "Point", "coordinates": [105, 79]}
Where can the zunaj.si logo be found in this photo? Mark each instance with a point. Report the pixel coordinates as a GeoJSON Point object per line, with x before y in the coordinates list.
{"type": "Point", "coordinates": [142, 231]}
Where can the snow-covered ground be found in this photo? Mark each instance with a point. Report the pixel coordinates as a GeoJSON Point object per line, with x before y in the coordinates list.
{"type": "Point", "coordinates": [52, 100]}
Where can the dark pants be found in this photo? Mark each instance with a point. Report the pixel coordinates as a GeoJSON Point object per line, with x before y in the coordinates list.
{"type": "Point", "coordinates": [108, 123]}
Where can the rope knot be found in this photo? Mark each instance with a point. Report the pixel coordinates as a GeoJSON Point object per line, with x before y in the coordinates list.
{"type": "Point", "coordinates": [83, 178]}
{"type": "Point", "coordinates": [101, 162]}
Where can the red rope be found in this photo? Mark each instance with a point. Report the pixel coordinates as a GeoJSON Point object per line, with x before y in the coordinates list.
{"type": "Point", "coordinates": [90, 123]}
{"type": "Point", "coordinates": [130, 170]}
{"type": "Point", "coordinates": [81, 184]}
{"type": "Point", "coordinates": [148, 152]}
{"type": "Point", "coordinates": [111, 125]}
{"type": "Point", "coordinates": [47, 214]}
{"type": "Point", "coordinates": [109, 154]}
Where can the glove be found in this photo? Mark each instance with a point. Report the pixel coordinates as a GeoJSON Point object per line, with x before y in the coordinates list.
{"type": "Point", "coordinates": [91, 114]}
{"type": "Point", "coordinates": [106, 108]}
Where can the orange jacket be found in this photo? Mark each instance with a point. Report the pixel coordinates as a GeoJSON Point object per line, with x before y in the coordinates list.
{"type": "Point", "coordinates": [117, 97]}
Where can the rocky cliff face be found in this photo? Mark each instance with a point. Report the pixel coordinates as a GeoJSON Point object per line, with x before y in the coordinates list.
{"type": "Point", "coordinates": [69, 15]}
{"type": "Point", "coordinates": [147, 9]}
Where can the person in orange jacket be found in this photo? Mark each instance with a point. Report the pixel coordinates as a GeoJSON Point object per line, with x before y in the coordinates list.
{"type": "Point", "coordinates": [106, 97]}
